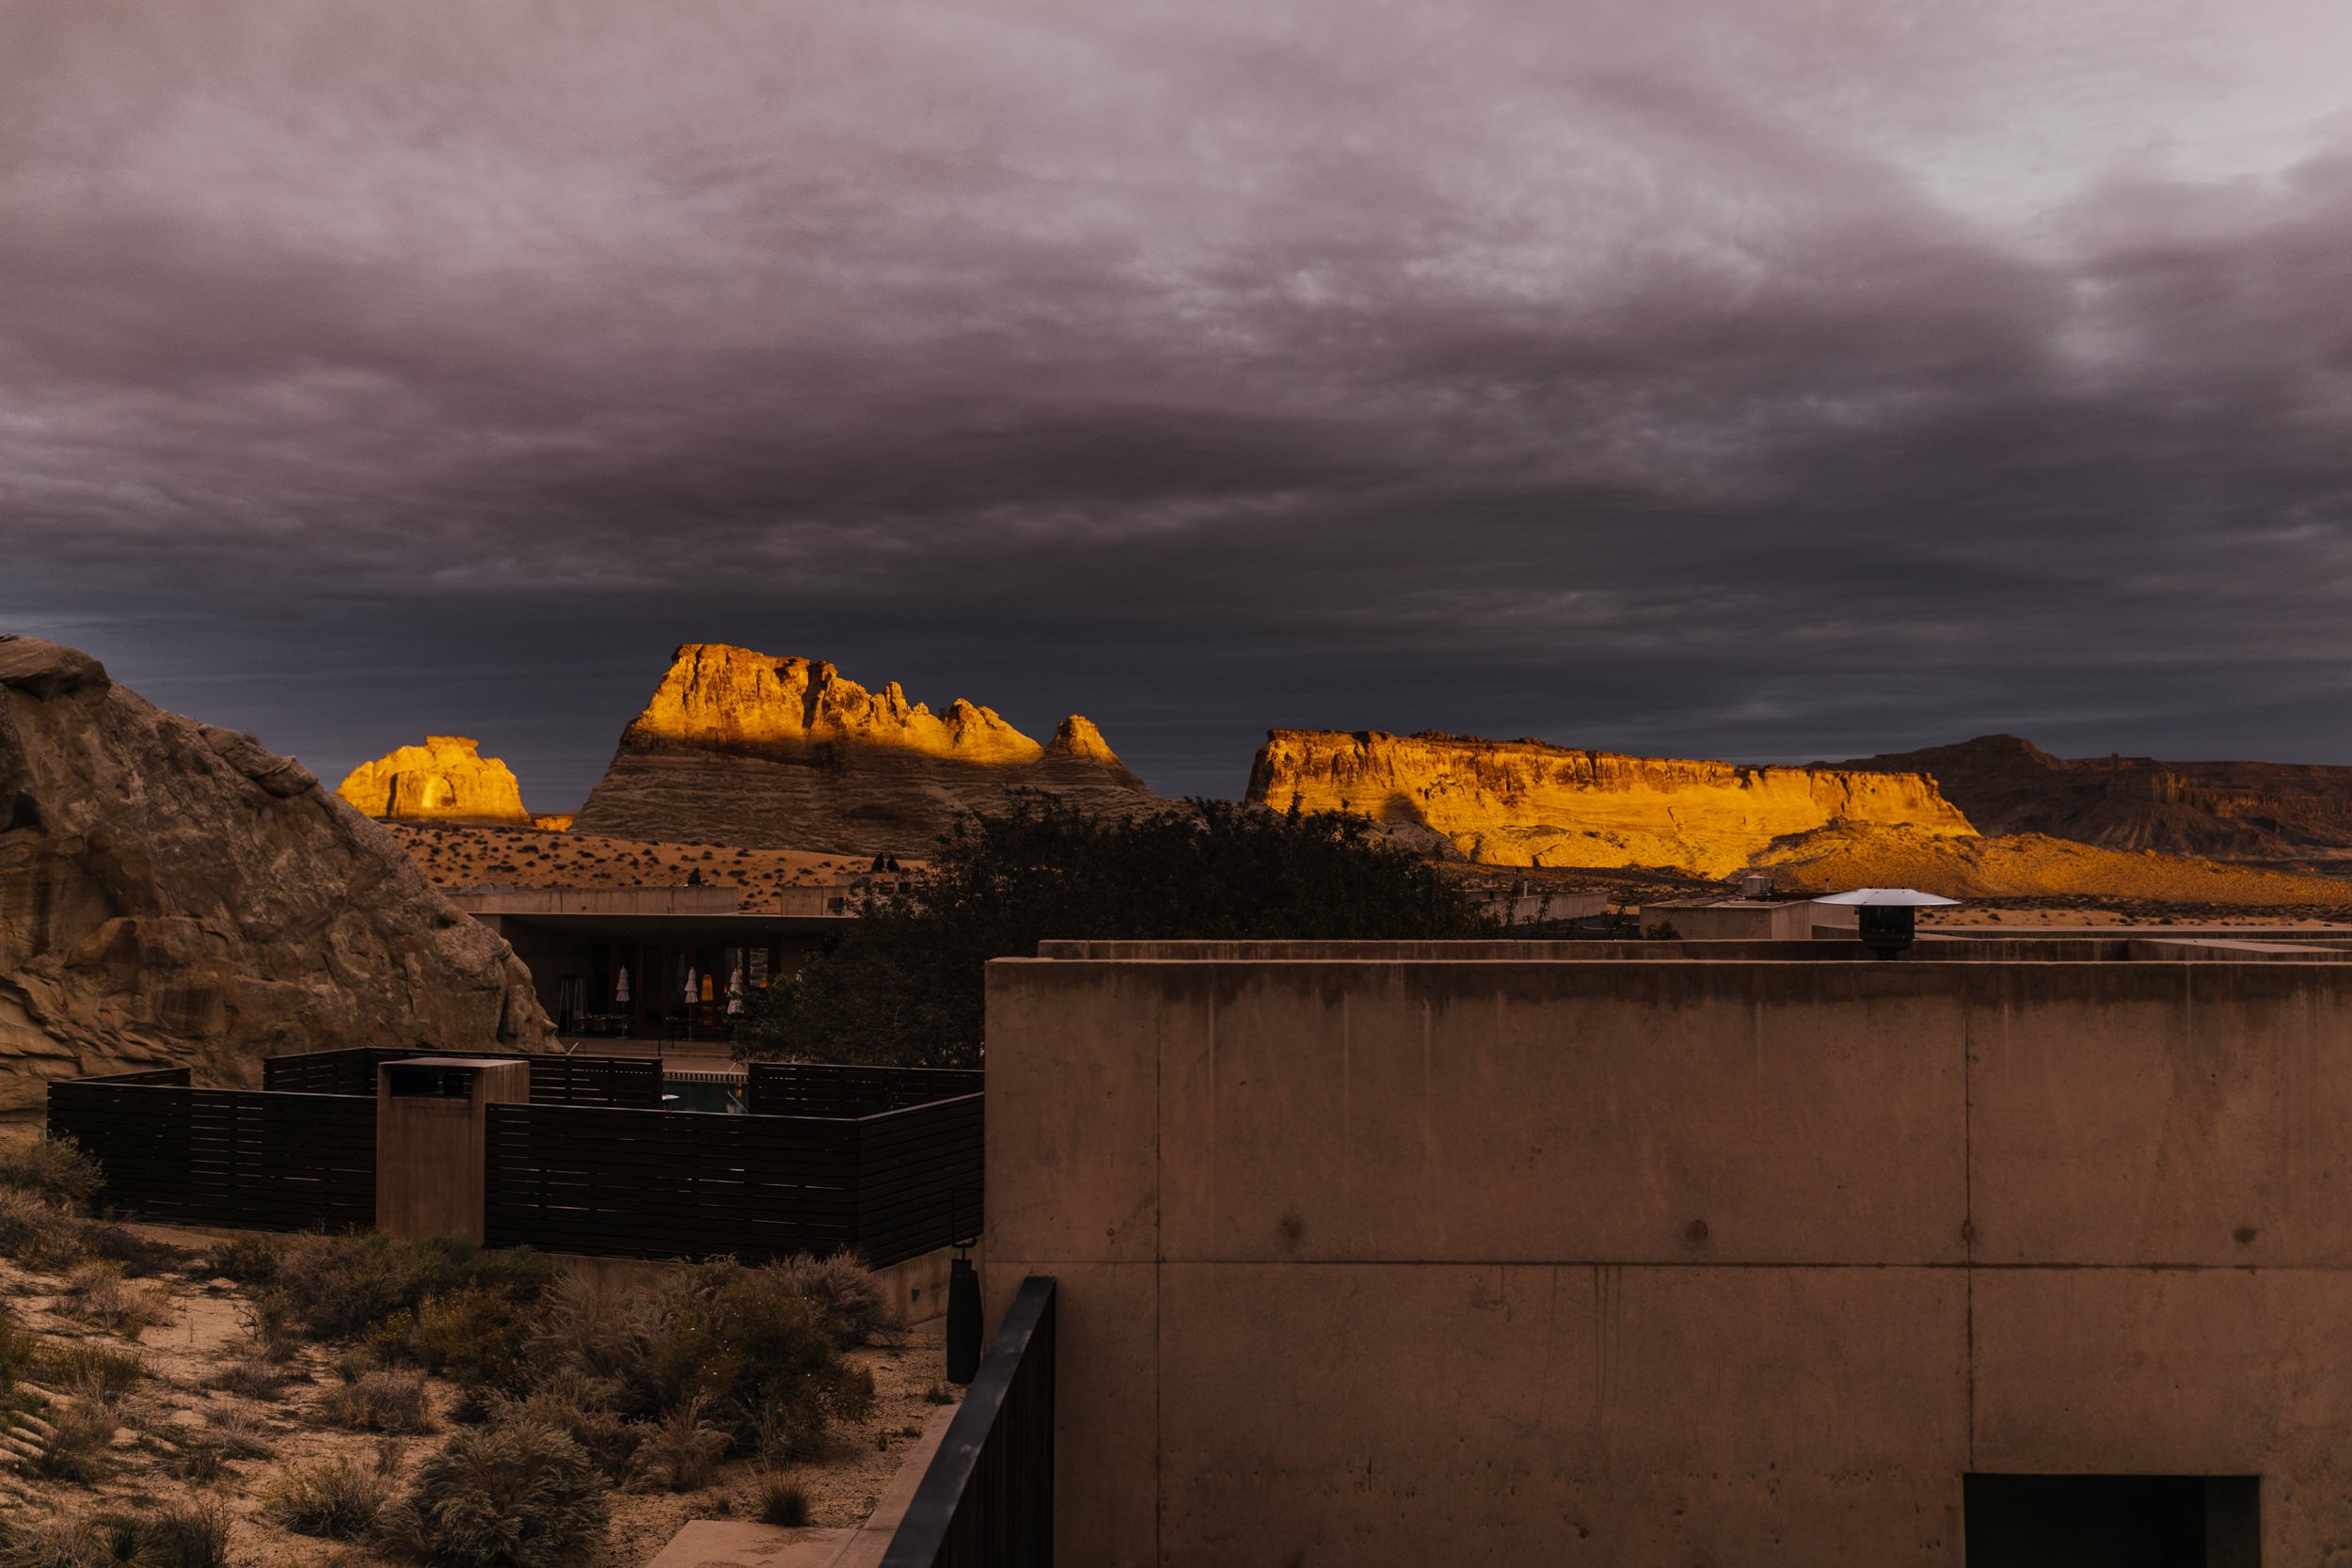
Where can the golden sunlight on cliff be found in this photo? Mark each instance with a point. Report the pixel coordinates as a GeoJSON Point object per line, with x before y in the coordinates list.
{"type": "Point", "coordinates": [445, 780]}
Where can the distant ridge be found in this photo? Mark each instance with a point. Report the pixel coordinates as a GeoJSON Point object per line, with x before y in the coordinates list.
{"type": "Point", "coordinates": [2250, 813]}
{"type": "Point", "coordinates": [745, 747]}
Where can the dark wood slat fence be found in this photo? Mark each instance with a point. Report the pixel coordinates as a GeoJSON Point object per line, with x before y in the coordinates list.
{"type": "Point", "coordinates": [986, 1500]}
{"type": "Point", "coordinates": [554, 1078]}
{"type": "Point", "coordinates": [821, 1089]}
{"type": "Point", "coordinates": [270, 1161]}
{"type": "Point", "coordinates": [687, 1184]}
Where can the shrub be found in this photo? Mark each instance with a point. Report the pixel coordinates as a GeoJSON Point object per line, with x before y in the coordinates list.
{"type": "Point", "coordinates": [106, 1372]}
{"type": "Point", "coordinates": [783, 1502]}
{"type": "Point", "coordinates": [849, 1299]}
{"type": "Point", "coordinates": [939, 1393]}
{"type": "Point", "coordinates": [117, 1243]}
{"type": "Point", "coordinates": [19, 1350]}
{"type": "Point", "coordinates": [240, 1436]}
{"type": "Point", "coordinates": [760, 1358]}
{"type": "Point", "coordinates": [247, 1259]}
{"type": "Point", "coordinates": [250, 1377]}
{"type": "Point", "coordinates": [681, 1452]}
{"type": "Point", "coordinates": [198, 1459]}
{"type": "Point", "coordinates": [96, 1294]}
{"type": "Point", "coordinates": [377, 1401]}
{"type": "Point", "coordinates": [79, 1433]}
{"type": "Point", "coordinates": [588, 1326]}
{"type": "Point", "coordinates": [56, 1168]}
{"type": "Point", "coordinates": [36, 1232]}
{"type": "Point", "coordinates": [339, 1286]}
{"type": "Point", "coordinates": [334, 1500]}
{"type": "Point", "coordinates": [581, 1410]}
{"type": "Point", "coordinates": [517, 1495]}
{"type": "Point", "coordinates": [63, 1541]}
{"type": "Point", "coordinates": [193, 1533]}
{"type": "Point", "coordinates": [474, 1334]}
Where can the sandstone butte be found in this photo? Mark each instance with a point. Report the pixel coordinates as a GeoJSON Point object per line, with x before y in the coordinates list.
{"type": "Point", "coordinates": [1529, 803]}
{"type": "Point", "coordinates": [744, 748]}
{"type": "Point", "coordinates": [445, 780]}
{"type": "Point", "coordinates": [176, 895]}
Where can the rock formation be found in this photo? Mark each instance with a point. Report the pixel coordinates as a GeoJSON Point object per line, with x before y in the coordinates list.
{"type": "Point", "coordinates": [445, 780]}
{"type": "Point", "coordinates": [175, 894]}
{"type": "Point", "coordinates": [2031, 865]}
{"type": "Point", "coordinates": [743, 748]}
{"type": "Point", "coordinates": [2262, 813]}
{"type": "Point", "coordinates": [1528, 803]}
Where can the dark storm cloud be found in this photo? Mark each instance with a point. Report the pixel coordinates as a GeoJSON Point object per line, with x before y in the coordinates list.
{"type": "Point", "coordinates": [1686, 376]}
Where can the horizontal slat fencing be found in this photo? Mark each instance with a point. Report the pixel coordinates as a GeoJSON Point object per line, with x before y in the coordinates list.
{"type": "Point", "coordinates": [687, 1184]}
{"type": "Point", "coordinates": [919, 1184]}
{"type": "Point", "coordinates": [554, 1080]}
{"type": "Point", "coordinates": [270, 1161]}
{"type": "Point", "coordinates": [669, 1183]}
{"type": "Point", "coordinates": [821, 1089]}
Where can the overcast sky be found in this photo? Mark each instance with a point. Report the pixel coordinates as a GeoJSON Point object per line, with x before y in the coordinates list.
{"type": "Point", "coordinates": [1701, 377]}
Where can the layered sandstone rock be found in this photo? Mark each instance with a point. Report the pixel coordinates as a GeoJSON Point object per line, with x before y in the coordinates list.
{"type": "Point", "coordinates": [744, 748]}
{"type": "Point", "coordinates": [1528, 803]}
{"type": "Point", "coordinates": [2033, 865]}
{"type": "Point", "coordinates": [2264, 812]}
{"type": "Point", "coordinates": [176, 895]}
{"type": "Point", "coordinates": [445, 780]}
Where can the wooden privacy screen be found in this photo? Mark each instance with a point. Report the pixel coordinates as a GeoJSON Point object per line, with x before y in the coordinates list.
{"type": "Point", "coordinates": [554, 1080]}
{"type": "Point", "coordinates": [685, 1184]}
{"type": "Point", "coordinates": [238, 1157]}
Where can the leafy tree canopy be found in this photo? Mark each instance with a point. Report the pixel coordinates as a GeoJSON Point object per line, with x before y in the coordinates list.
{"type": "Point", "coordinates": [904, 984]}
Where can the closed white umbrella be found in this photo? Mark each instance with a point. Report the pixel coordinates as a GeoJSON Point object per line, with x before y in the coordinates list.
{"type": "Point", "coordinates": [620, 987]}
{"type": "Point", "coordinates": [693, 994]}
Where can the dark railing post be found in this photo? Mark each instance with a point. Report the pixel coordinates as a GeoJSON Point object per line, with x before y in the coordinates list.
{"type": "Point", "coordinates": [986, 1500]}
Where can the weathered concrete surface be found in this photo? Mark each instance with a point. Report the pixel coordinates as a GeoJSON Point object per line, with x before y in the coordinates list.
{"type": "Point", "coordinates": [1671, 1262]}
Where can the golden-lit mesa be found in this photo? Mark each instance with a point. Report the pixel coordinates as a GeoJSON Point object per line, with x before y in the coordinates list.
{"type": "Point", "coordinates": [1528, 803]}
{"type": "Point", "coordinates": [715, 695]}
{"type": "Point", "coordinates": [447, 779]}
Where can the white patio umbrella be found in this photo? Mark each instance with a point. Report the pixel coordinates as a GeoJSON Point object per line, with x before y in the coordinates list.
{"type": "Point", "coordinates": [620, 987]}
{"type": "Point", "coordinates": [693, 993]}
{"type": "Point", "coordinates": [1910, 895]}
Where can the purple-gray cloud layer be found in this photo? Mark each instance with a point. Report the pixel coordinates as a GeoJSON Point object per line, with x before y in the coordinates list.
{"type": "Point", "coordinates": [1694, 377]}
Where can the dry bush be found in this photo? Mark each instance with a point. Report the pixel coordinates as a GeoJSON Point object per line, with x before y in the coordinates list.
{"type": "Point", "coordinates": [63, 1541]}
{"type": "Point", "coordinates": [474, 1334]}
{"type": "Point", "coordinates": [334, 1498]}
{"type": "Point", "coordinates": [250, 1377]}
{"type": "Point", "coordinates": [341, 1287]}
{"type": "Point", "coordinates": [79, 1435]}
{"type": "Point", "coordinates": [514, 1495]}
{"type": "Point", "coordinates": [54, 1168]}
{"type": "Point", "coordinates": [377, 1401]}
{"type": "Point", "coordinates": [96, 1294]}
{"type": "Point", "coordinates": [269, 1327]}
{"type": "Point", "coordinates": [108, 1372]}
{"type": "Point", "coordinates": [783, 1502]}
{"type": "Point", "coordinates": [192, 1533]}
{"type": "Point", "coordinates": [37, 1232]}
{"type": "Point", "coordinates": [240, 1435]}
{"type": "Point", "coordinates": [939, 1393]}
{"type": "Point", "coordinates": [581, 1409]}
{"type": "Point", "coordinates": [760, 1358]}
{"type": "Point", "coordinates": [849, 1299]}
{"type": "Point", "coordinates": [680, 1452]}
{"type": "Point", "coordinates": [250, 1259]}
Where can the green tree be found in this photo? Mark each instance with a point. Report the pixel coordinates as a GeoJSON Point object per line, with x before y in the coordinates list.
{"type": "Point", "coordinates": [904, 984]}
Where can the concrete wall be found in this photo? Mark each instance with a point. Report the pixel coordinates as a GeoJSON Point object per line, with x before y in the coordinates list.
{"type": "Point", "coordinates": [1670, 1263]}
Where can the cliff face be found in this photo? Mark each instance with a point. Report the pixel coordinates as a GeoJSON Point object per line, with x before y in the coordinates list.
{"type": "Point", "coordinates": [445, 780]}
{"type": "Point", "coordinates": [1527, 803]}
{"type": "Point", "coordinates": [743, 748]}
{"type": "Point", "coordinates": [2246, 812]}
{"type": "Point", "coordinates": [174, 894]}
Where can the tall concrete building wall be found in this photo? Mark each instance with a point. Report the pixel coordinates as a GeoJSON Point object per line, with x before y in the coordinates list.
{"type": "Point", "coordinates": [1368, 1259]}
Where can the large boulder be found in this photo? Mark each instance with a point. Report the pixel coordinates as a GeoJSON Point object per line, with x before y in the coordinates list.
{"type": "Point", "coordinates": [445, 780]}
{"type": "Point", "coordinates": [176, 895]}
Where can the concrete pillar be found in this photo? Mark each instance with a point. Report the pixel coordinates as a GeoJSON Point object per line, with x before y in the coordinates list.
{"type": "Point", "coordinates": [432, 1118]}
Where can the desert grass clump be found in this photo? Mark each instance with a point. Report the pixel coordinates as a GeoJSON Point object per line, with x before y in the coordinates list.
{"type": "Point", "coordinates": [334, 1498]}
{"type": "Point", "coordinates": [783, 1502]}
{"type": "Point", "coordinates": [77, 1447]}
{"type": "Point", "coordinates": [581, 1409]}
{"type": "Point", "coordinates": [61, 1540]}
{"type": "Point", "coordinates": [251, 1377]}
{"type": "Point", "coordinates": [239, 1434]}
{"type": "Point", "coordinates": [37, 1232]}
{"type": "Point", "coordinates": [516, 1495]}
{"type": "Point", "coordinates": [54, 1168]}
{"type": "Point", "coordinates": [96, 1294]}
{"type": "Point", "coordinates": [474, 1336]}
{"type": "Point", "coordinates": [849, 1299]}
{"type": "Point", "coordinates": [107, 1373]}
{"type": "Point", "coordinates": [377, 1401]}
{"type": "Point", "coordinates": [939, 1393]}
{"type": "Point", "coordinates": [250, 1259]}
{"type": "Point", "coordinates": [680, 1452]}
{"type": "Point", "coordinates": [192, 1533]}
{"type": "Point", "coordinates": [341, 1287]}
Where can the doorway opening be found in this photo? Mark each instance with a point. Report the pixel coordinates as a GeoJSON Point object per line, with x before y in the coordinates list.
{"type": "Point", "coordinates": [2017, 1521]}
